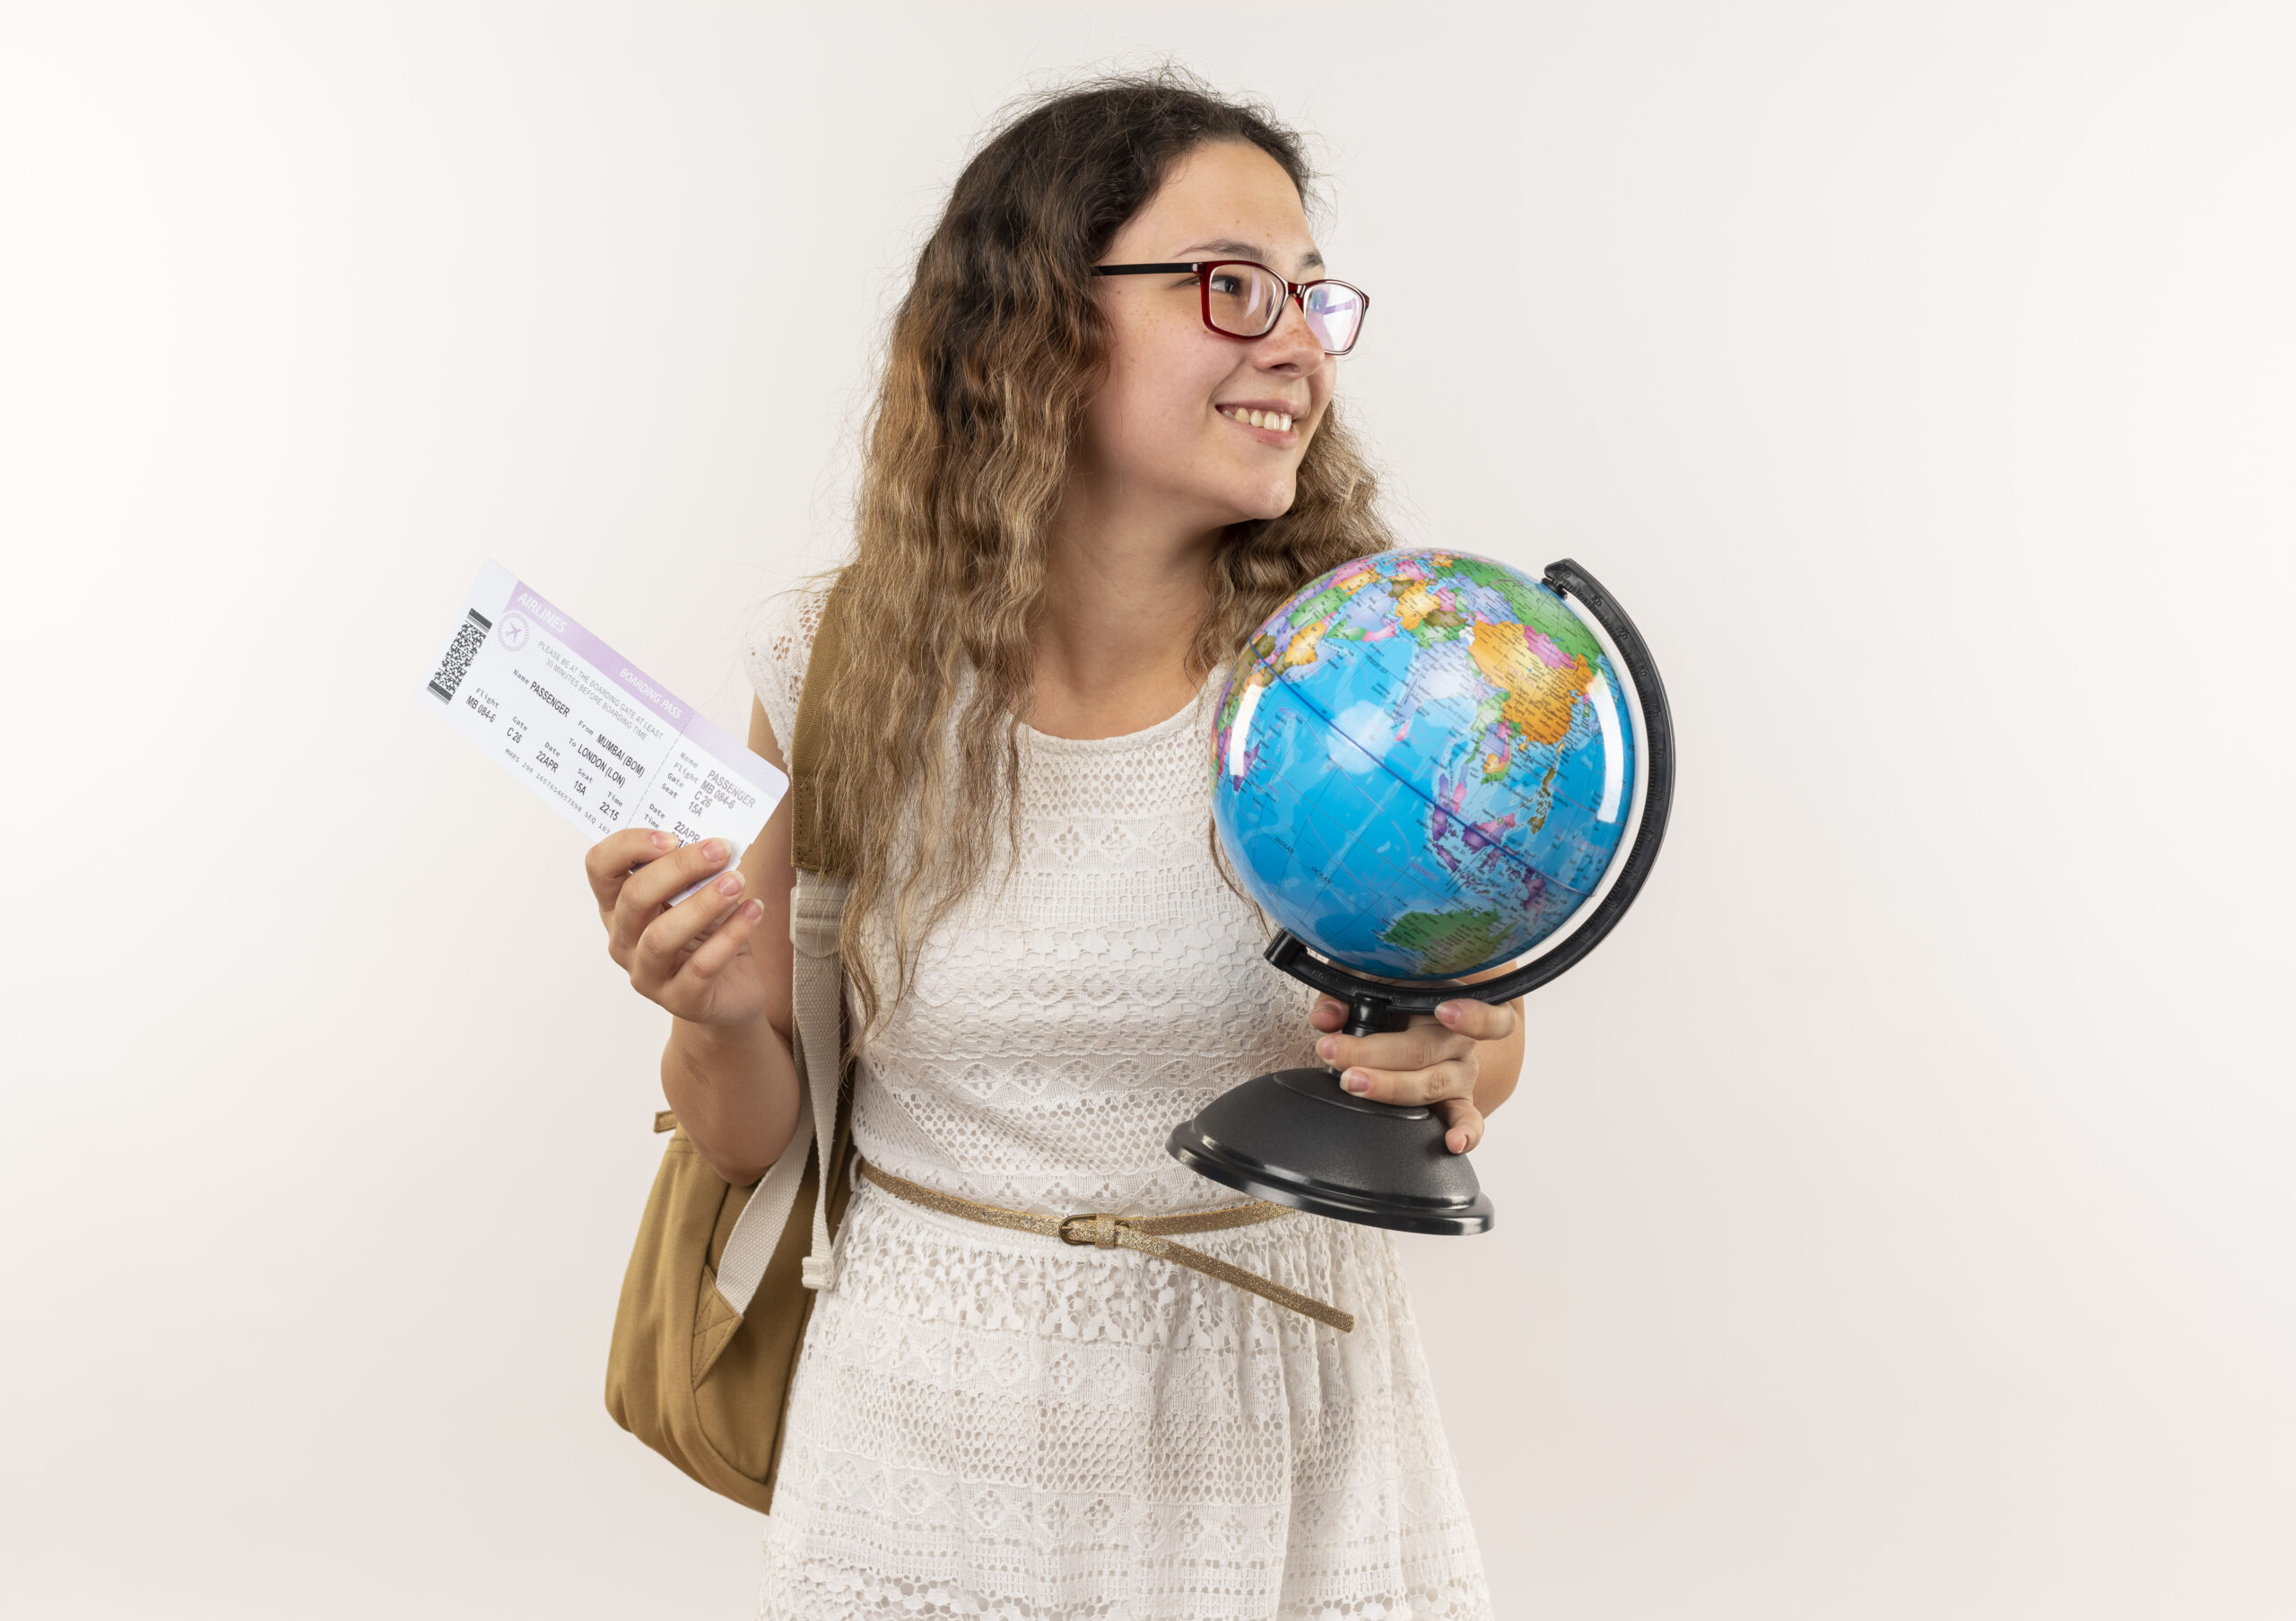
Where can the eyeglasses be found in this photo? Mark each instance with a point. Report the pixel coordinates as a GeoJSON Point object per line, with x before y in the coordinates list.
{"type": "Point", "coordinates": [1243, 299]}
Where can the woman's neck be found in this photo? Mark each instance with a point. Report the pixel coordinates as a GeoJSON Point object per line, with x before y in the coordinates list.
{"type": "Point", "coordinates": [1120, 610]}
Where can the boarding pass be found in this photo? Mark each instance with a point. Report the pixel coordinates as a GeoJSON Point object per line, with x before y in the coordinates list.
{"type": "Point", "coordinates": [588, 731]}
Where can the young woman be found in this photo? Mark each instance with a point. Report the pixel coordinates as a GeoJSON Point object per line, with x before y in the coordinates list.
{"type": "Point", "coordinates": [1083, 492]}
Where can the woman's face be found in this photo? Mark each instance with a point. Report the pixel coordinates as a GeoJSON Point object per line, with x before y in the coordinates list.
{"type": "Point", "coordinates": [1164, 438]}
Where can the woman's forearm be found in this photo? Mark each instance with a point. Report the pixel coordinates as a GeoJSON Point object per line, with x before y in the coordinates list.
{"type": "Point", "coordinates": [734, 1087]}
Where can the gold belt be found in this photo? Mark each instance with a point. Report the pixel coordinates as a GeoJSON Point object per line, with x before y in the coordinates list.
{"type": "Point", "coordinates": [1144, 1234]}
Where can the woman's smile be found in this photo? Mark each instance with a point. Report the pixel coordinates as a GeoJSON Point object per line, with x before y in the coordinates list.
{"type": "Point", "coordinates": [1266, 420]}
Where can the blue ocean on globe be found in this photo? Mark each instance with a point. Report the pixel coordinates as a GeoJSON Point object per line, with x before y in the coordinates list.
{"type": "Point", "coordinates": [1424, 764]}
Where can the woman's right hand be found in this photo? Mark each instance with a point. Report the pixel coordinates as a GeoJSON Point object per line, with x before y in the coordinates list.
{"type": "Point", "coordinates": [693, 958]}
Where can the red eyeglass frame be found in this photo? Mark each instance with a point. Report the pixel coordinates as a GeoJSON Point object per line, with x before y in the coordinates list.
{"type": "Point", "coordinates": [1297, 291]}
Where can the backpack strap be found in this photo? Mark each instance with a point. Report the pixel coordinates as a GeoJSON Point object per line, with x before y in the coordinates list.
{"type": "Point", "coordinates": [816, 914]}
{"type": "Point", "coordinates": [817, 981]}
{"type": "Point", "coordinates": [816, 920]}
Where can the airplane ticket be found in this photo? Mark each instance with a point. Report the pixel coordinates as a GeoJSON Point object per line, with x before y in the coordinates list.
{"type": "Point", "coordinates": [590, 733]}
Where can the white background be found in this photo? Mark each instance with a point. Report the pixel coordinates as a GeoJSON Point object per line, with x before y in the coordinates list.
{"type": "Point", "coordinates": [1894, 1218]}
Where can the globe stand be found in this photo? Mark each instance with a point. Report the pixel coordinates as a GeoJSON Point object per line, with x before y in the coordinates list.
{"type": "Point", "coordinates": [1296, 1138]}
{"type": "Point", "coordinates": [1300, 1139]}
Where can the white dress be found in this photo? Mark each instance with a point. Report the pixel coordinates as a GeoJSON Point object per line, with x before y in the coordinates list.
{"type": "Point", "coordinates": [988, 1424]}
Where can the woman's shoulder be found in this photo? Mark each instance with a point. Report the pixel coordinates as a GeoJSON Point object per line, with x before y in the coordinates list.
{"type": "Point", "coordinates": [774, 652]}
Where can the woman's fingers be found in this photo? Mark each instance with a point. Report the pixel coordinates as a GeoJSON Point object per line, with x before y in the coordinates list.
{"type": "Point", "coordinates": [609, 863]}
{"type": "Point", "coordinates": [1424, 1043]}
{"type": "Point", "coordinates": [710, 957]}
{"type": "Point", "coordinates": [661, 947]}
{"type": "Point", "coordinates": [1451, 1078]}
{"type": "Point", "coordinates": [1427, 1040]}
{"type": "Point", "coordinates": [1462, 1124]}
{"type": "Point", "coordinates": [675, 954]}
{"type": "Point", "coordinates": [1431, 1063]}
{"type": "Point", "coordinates": [1484, 1021]}
{"type": "Point", "coordinates": [645, 892]}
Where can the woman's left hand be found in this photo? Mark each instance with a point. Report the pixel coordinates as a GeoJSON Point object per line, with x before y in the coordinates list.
{"type": "Point", "coordinates": [1433, 1062]}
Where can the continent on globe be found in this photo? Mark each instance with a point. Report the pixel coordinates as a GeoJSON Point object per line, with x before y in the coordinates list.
{"type": "Point", "coordinates": [1421, 764]}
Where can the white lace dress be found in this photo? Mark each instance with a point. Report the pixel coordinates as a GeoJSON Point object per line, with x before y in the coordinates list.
{"type": "Point", "coordinates": [988, 1424]}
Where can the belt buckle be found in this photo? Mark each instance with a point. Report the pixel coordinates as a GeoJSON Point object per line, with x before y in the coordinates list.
{"type": "Point", "coordinates": [1098, 1231]}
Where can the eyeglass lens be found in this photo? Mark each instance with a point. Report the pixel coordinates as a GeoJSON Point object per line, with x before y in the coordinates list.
{"type": "Point", "coordinates": [1247, 301]}
{"type": "Point", "coordinates": [1334, 312]}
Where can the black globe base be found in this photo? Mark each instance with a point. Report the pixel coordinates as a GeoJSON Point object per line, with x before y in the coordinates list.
{"type": "Point", "coordinates": [1296, 1138]}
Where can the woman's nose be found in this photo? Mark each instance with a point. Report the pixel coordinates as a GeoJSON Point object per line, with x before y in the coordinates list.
{"type": "Point", "coordinates": [1292, 344]}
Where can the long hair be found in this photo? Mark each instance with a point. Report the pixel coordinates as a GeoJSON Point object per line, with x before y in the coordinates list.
{"type": "Point", "coordinates": [991, 360]}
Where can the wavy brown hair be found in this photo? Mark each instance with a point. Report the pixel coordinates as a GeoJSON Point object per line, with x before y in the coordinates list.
{"type": "Point", "coordinates": [991, 360]}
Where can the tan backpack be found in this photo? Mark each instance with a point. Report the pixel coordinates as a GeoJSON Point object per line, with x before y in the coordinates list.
{"type": "Point", "coordinates": [721, 1282]}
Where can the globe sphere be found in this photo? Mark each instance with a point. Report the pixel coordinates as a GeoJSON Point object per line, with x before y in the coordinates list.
{"type": "Point", "coordinates": [1423, 765]}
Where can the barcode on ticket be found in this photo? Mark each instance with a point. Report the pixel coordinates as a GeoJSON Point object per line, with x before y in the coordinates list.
{"type": "Point", "coordinates": [469, 636]}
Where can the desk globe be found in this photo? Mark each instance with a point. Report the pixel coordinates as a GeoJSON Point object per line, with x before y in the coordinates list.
{"type": "Point", "coordinates": [1424, 766]}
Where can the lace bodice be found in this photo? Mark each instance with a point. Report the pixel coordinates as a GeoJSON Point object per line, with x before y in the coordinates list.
{"type": "Point", "coordinates": [1109, 986]}
{"type": "Point", "coordinates": [986, 1424]}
